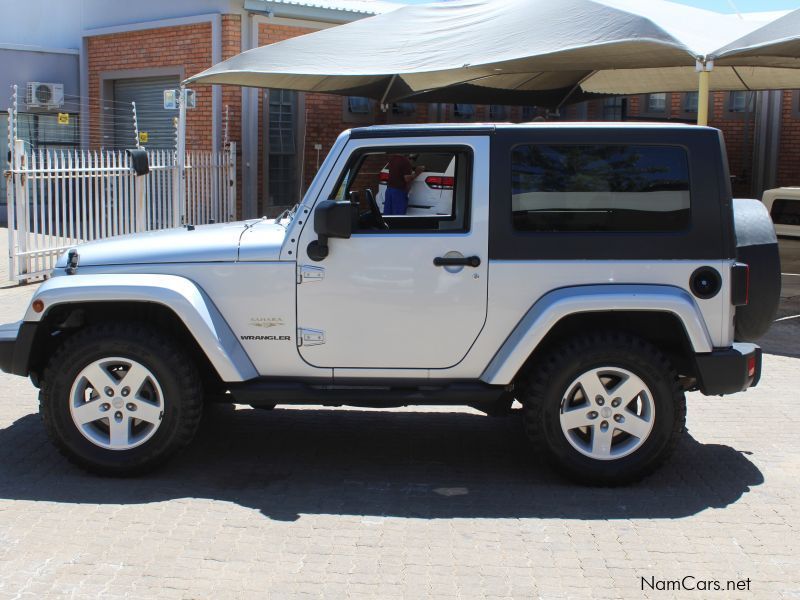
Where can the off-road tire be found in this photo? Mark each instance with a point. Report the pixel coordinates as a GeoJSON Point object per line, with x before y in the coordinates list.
{"type": "Point", "coordinates": [548, 382]}
{"type": "Point", "coordinates": [174, 371]}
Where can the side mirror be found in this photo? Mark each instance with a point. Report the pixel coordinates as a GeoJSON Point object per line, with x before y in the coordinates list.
{"type": "Point", "coordinates": [332, 219]}
{"type": "Point", "coordinates": [139, 161]}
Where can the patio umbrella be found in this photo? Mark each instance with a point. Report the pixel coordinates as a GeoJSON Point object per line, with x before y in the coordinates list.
{"type": "Point", "coordinates": [527, 51]}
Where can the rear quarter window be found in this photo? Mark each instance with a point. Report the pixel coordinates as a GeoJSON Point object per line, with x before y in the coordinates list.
{"type": "Point", "coordinates": [786, 211]}
{"type": "Point", "coordinates": [600, 187]}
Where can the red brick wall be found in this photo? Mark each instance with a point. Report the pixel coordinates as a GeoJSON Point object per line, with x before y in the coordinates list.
{"type": "Point", "coordinates": [188, 47]}
{"type": "Point", "coordinates": [789, 150]}
{"type": "Point", "coordinates": [739, 132]}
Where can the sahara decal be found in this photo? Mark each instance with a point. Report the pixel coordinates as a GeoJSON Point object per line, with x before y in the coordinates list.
{"type": "Point", "coordinates": [266, 322]}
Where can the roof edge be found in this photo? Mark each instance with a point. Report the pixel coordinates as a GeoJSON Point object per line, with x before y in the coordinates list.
{"type": "Point", "coordinates": [306, 11]}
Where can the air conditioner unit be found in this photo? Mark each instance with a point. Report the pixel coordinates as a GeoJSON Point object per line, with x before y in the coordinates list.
{"type": "Point", "coordinates": [44, 95]}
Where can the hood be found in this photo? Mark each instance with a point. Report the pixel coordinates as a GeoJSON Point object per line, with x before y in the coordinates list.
{"type": "Point", "coordinates": [262, 240]}
{"type": "Point", "coordinates": [203, 243]}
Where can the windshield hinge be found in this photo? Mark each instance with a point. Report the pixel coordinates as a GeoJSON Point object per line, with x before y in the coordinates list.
{"type": "Point", "coordinates": [310, 337]}
{"type": "Point", "coordinates": [309, 273]}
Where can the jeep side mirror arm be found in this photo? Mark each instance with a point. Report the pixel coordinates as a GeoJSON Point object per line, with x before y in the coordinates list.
{"type": "Point", "coordinates": [318, 248]}
{"type": "Point", "coordinates": [332, 219]}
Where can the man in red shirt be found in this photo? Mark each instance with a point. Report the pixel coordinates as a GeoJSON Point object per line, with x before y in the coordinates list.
{"type": "Point", "coordinates": [401, 174]}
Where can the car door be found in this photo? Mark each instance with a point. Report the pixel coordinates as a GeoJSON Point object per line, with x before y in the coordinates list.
{"type": "Point", "coordinates": [379, 300]}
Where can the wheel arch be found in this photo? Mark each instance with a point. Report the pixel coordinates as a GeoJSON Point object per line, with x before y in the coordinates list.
{"type": "Point", "coordinates": [666, 316]}
{"type": "Point", "coordinates": [165, 300]}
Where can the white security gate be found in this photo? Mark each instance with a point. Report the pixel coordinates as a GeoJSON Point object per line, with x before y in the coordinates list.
{"type": "Point", "coordinates": [57, 198]}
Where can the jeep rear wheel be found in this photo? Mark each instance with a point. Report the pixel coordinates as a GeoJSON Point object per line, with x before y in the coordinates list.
{"type": "Point", "coordinates": [605, 409]}
{"type": "Point", "coordinates": [120, 399]}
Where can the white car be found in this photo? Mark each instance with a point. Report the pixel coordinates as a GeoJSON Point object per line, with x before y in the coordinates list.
{"type": "Point", "coordinates": [431, 192]}
{"type": "Point", "coordinates": [783, 205]}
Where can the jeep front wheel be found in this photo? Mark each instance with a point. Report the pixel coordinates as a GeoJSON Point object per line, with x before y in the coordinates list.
{"type": "Point", "coordinates": [119, 399]}
{"type": "Point", "coordinates": [605, 409]}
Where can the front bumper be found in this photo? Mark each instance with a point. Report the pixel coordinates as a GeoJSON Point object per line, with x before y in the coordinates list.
{"type": "Point", "coordinates": [729, 370]}
{"type": "Point", "coordinates": [16, 341]}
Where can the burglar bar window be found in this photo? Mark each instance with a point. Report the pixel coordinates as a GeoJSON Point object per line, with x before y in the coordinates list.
{"type": "Point", "coordinates": [739, 102]}
{"type": "Point", "coordinates": [282, 167]}
{"type": "Point", "coordinates": [464, 111]}
{"type": "Point", "coordinates": [498, 112]}
{"type": "Point", "coordinates": [657, 103]}
{"type": "Point", "coordinates": [405, 109]}
{"type": "Point", "coordinates": [690, 102]}
{"type": "Point", "coordinates": [358, 105]}
{"type": "Point", "coordinates": [613, 109]}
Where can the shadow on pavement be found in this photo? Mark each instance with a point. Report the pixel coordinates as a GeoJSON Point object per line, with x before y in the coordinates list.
{"type": "Point", "coordinates": [411, 464]}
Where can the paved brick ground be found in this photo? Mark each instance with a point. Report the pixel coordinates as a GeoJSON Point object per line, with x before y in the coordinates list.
{"type": "Point", "coordinates": [405, 503]}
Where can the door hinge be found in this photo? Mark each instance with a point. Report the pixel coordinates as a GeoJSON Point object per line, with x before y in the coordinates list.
{"type": "Point", "coordinates": [309, 273]}
{"type": "Point", "coordinates": [310, 337]}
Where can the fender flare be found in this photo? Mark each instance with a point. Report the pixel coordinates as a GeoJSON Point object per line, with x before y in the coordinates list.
{"type": "Point", "coordinates": [555, 305]}
{"type": "Point", "coordinates": [180, 295]}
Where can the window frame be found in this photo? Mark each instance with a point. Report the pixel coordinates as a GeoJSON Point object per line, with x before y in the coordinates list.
{"type": "Point", "coordinates": [457, 150]}
{"type": "Point", "coordinates": [644, 106]}
{"type": "Point", "coordinates": [351, 117]}
{"type": "Point", "coordinates": [402, 117]}
{"type": "Point", "coordinates": [468, 119]}
{"type": "Point", "coordinates": [729, 114]}
{"type": "Point", "coordinates": [504, 110]}
{"type": "Point", "coordinates": [795, 104]}
{"type": "Point", "coordinates": [710, 235]}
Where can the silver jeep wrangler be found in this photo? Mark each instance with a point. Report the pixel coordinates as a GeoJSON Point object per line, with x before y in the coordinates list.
{"type": "Point", "coordinates": [592, 272]}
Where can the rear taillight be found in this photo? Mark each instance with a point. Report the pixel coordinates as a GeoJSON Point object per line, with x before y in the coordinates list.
{"type": "Point", "coordinates": [751, 366]}
{"type": "Point", "coordinates": [437, 182]}
{"type": "Point", "coordinates": [384, 177]}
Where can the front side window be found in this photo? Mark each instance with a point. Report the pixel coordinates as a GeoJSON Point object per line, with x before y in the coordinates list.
{"type": "Point", "coordinates": [412, 189]}
{"type": "Point", "coordinates": [599, 187]}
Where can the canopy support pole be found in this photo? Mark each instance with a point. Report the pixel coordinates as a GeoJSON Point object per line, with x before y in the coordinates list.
{"type": "Point", "coordinates": [385, 107]}
{"type": "Point", "coordinates": [704, 69]}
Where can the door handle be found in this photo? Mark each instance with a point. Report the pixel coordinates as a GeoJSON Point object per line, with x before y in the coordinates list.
{"type": "Point", "coordinates": [465, 261]}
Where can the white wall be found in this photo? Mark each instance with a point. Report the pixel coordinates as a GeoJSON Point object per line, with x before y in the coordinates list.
{"type": "Point", "coordinates": [42, 23]}
{"type": "Point", "coordinates": [59, 23]}
{"type": "Point", "coordinates": [110, 13]}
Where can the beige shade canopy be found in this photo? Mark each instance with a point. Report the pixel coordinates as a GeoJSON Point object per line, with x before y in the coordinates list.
{"type": "Point", "coordinates": [528, 52]}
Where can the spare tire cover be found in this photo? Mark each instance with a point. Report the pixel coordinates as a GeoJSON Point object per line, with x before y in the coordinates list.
{"type": "Point", "coordinates": [757, 246]}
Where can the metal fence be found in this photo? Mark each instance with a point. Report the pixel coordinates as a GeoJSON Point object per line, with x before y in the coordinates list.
{"type": "Point", "coordinates": [58, 198]}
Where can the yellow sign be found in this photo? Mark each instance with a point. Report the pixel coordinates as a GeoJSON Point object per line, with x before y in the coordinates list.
{"type": "Point", "coordinates": [63, 118]}
{"type": "Point", "coordinates": [143, 137]}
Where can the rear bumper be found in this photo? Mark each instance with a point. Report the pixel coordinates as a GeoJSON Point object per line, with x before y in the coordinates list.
{"type": "Point", "coordinates": [16, 340]}
{"type": "Point", "coordinates": [729, 370]}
